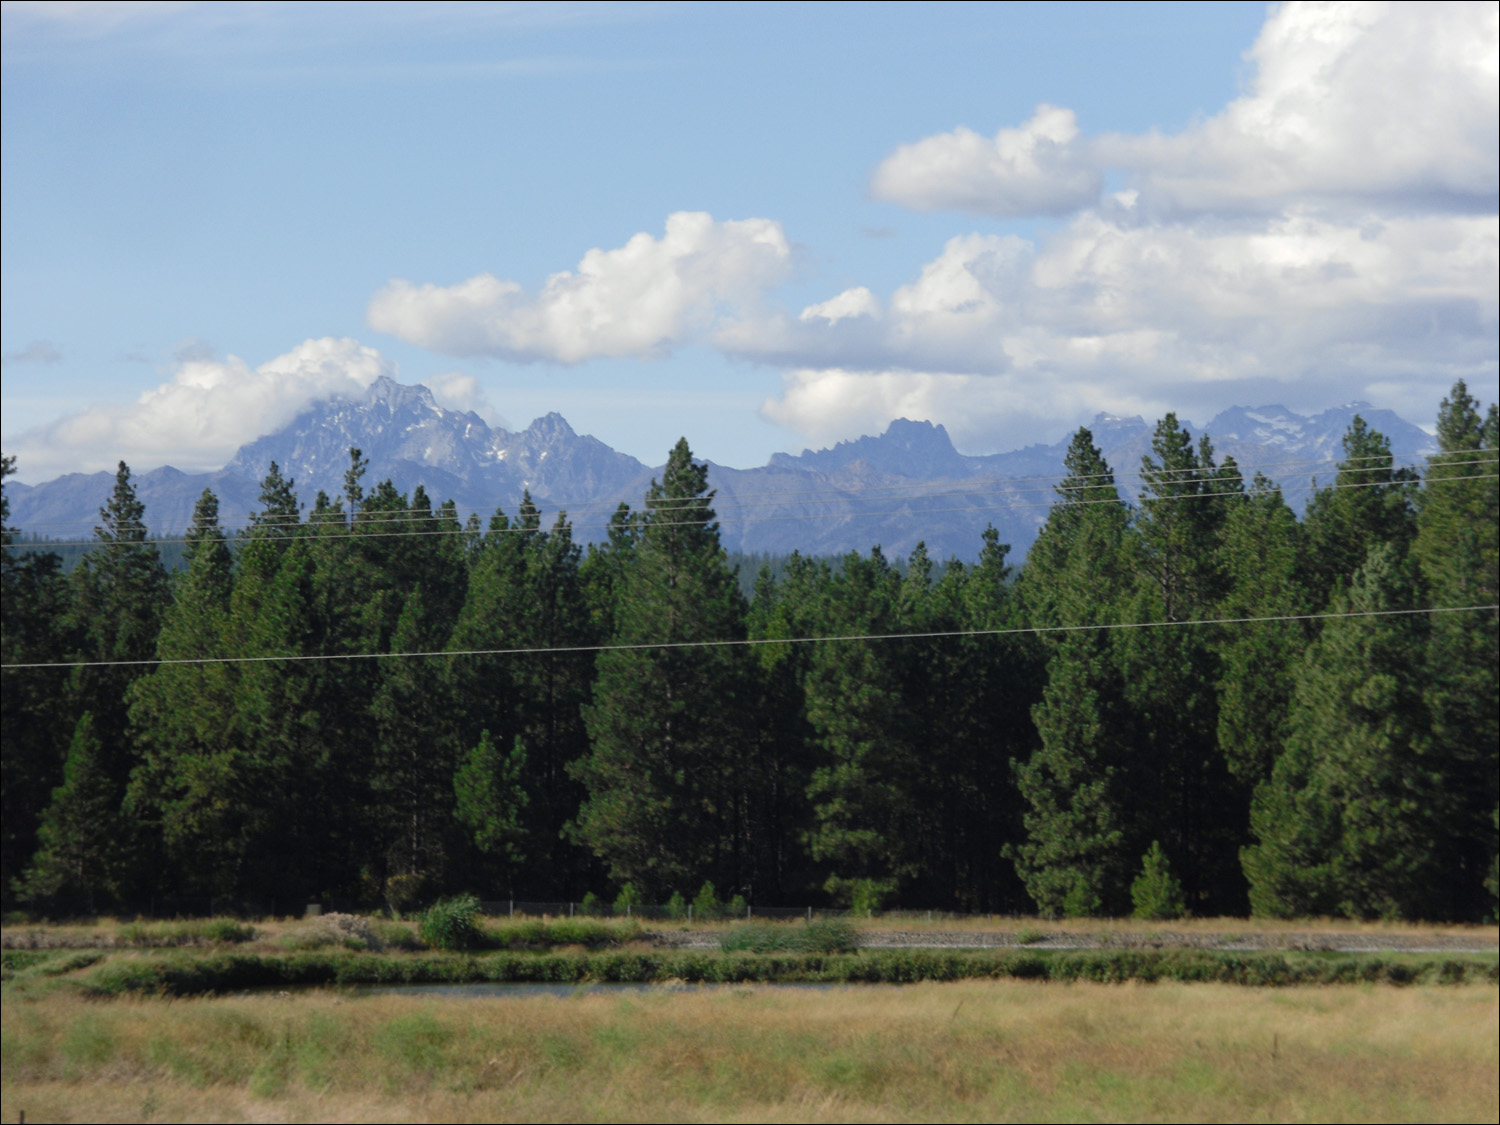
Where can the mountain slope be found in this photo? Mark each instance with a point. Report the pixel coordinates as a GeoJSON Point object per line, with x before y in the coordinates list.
{"type": "Point", "coordinates": [906, 485]}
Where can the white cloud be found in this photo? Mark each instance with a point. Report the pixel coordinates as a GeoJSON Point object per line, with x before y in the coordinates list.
{"type": "Point", "coordinates": [458, 391]}
{"type": "Point", "coordinates": [1348, 104]}
{"type": "Point", "coordinates": [207, 411]}
{"type": "Point", "coordinates": [1330, 235]}
{"type": "Point", "coordinates": [639, 300]}
{"type": "Point", "coordinates": [849, 304]}
{"type": "Point", "coordinates": [1108, 314]}
{"type": "Point", "coordinates": [830, 405]}
{"type": "Point", "coordinates": [1039, 169]}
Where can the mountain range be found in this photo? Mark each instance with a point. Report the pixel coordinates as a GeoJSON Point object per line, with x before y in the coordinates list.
{"type": "Point", "coordinates": [906, 485]}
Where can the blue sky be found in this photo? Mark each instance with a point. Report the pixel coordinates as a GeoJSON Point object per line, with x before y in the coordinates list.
{"type": "Point", "coordinates": [765, 227]}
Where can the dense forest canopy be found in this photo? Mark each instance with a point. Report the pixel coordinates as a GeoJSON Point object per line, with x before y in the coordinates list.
{"type": "Point", "coordinates": [1193, 702]}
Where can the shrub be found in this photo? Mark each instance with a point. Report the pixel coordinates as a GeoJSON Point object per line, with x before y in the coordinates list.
{"type": "Point", "coordinates": [592, 906]}
{"type": "Point", "coordinates": [449, 923]}
{"type": "Point", "coordinates": [706, 906]}
{"type": "Point", "coordinates": [348, 930]}
{"type": "Point", "coordinates": [629, 896]}
{"type": "Point", "coordinates": [676, 906]}
{"type": "Point", "coordinates": [867, 896]}
{"type": "Point", "coordinates": [738, 907]}
{"type": "Point", "coordinates": [1156, 892]}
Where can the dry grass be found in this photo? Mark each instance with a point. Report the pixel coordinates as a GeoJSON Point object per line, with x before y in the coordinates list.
{"type": "Point", "coordinates": [965, 1051]}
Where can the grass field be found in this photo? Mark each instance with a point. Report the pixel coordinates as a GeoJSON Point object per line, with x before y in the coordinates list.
{"type": "Point", "coordinates": [971, 1050]}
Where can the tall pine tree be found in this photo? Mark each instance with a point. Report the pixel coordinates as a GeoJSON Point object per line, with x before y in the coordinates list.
{"type": "Point", "coordinates": [667, 790]}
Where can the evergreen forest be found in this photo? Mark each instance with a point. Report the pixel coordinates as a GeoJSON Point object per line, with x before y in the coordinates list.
{"type": "Point", "coordinates": [1196, 701]}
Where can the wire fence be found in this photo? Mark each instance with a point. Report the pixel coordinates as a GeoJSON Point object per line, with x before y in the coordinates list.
{"type": "Point", "coordinates": [185, 907]}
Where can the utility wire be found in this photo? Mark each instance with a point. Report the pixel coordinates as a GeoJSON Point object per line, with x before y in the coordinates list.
{"type": "Point", "coordinates": [561, 650]}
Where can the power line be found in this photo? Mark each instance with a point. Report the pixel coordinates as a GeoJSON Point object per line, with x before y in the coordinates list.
{"type": "Point", "coordinates": [562, 650]}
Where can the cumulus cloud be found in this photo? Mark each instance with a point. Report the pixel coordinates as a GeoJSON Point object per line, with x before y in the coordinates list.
{"type": "Point", "coordinates": [829, 405]}
{"type": "Point", "coordinates": [207, 411]}
{"type": "Point", "coordinates": [639, 300]}
{"type": "Point", "coordinates": [1039, 169]}
{"type": "Point", "coordinates": [1109, 314]}
{"type": "Point", "coordinates": [1329, 235]}
{"type": "Point", "coordinates": [1389, 104]}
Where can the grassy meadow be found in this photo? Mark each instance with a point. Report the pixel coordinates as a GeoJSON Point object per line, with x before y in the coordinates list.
{"type": "Point", "coordinates": [970, 1050]}
{"type": "Point", "coordinates": [122, 1020]}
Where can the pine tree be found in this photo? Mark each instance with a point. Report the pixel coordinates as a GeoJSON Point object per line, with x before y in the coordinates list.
{"type": "Point", "coordinates": [1369, 504]}
{"type": "Point", "coordinates": [1074, 573]}
{"type": "Point", "coordinates": [785, 749]}
{"type": "Point", "coordinates": [864, 700]}
{"type": "Point", "coordinates": [995, 681]}
{"type": "Point", "coordinates": [84, 844]}
{"type": "Point", "coordinates": [1156, 892]}
{"type": "Point", "coordinates": [1349, 819]}
{"type": "Point", "coordinates": [412, 762]}
{"type": "Point", "coordinates": [1457, 546]}
{"type": "Point", "coordinates": [1171, 673]}
{"type": "Point", "coordinates": [117, 598]}
{"type": "Point", "coordinates": [1259, 559]}
{"type": "Point", "coordinates": [667, 797]}
{"type": "Point", "coordinates": [34, 730]}
{"type": "Point", "coordinates": [189, 783]}
{"type": "Point", "coordinates": [525, 592]}
{"type": "Point", "coordinates": [491, 802]}
{"type": "Point", "coordinates": [1080, 816]}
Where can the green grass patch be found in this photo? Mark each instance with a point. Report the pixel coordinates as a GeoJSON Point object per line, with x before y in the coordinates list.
{"type": "Point", "coordinates": [592, 933]}
{"type": "Point", "coordinates": [197, 931]}
{"type": "Point", "coordinates": [825, 935]}
{"type": "Point", "coordinates": [183, 974]}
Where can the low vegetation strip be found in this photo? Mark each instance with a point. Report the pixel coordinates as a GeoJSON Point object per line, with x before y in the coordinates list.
{"type": "Point", "coordinates": [987, 1050]}
{"type": "Point", "coordinates": [183, 974]}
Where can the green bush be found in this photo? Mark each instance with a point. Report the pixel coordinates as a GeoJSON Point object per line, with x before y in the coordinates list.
{"type": "Point", "coordinates": [706, 906]}
{"type": "Point", "coordinates": [864, 897]}
{"type": "Point", "coordinates": [676, 906]}
{"type": "Point", "coordinates": [592, 906]}
{"type": "Point", "coordinates": [449, 923]}
{"type": "Point", "coordinates": [628, 897]}
{"type": "Point", "coordinates": [1156, 892]}
{"type": "Point", "coordinates": [737, 908]}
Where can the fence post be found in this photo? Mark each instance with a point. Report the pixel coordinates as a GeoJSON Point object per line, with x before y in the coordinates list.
{"type": "Point", "coordinates": [570, 910]}
{"type": "Point", "coordinates": [690, 912]}
{"type": "Point", "coordinates": [512, 908]}
{"type": "Point", "coordinates": [627, 910]}
{"type": "Point", "coordinates": [809, 914]}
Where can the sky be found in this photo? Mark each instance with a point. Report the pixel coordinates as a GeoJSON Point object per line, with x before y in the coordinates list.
{"type": "Point", "coordinates": [762, 227]}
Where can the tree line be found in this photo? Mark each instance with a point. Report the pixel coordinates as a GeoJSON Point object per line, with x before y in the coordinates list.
{"type": "Point", "coordinates": [1195, 701]}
